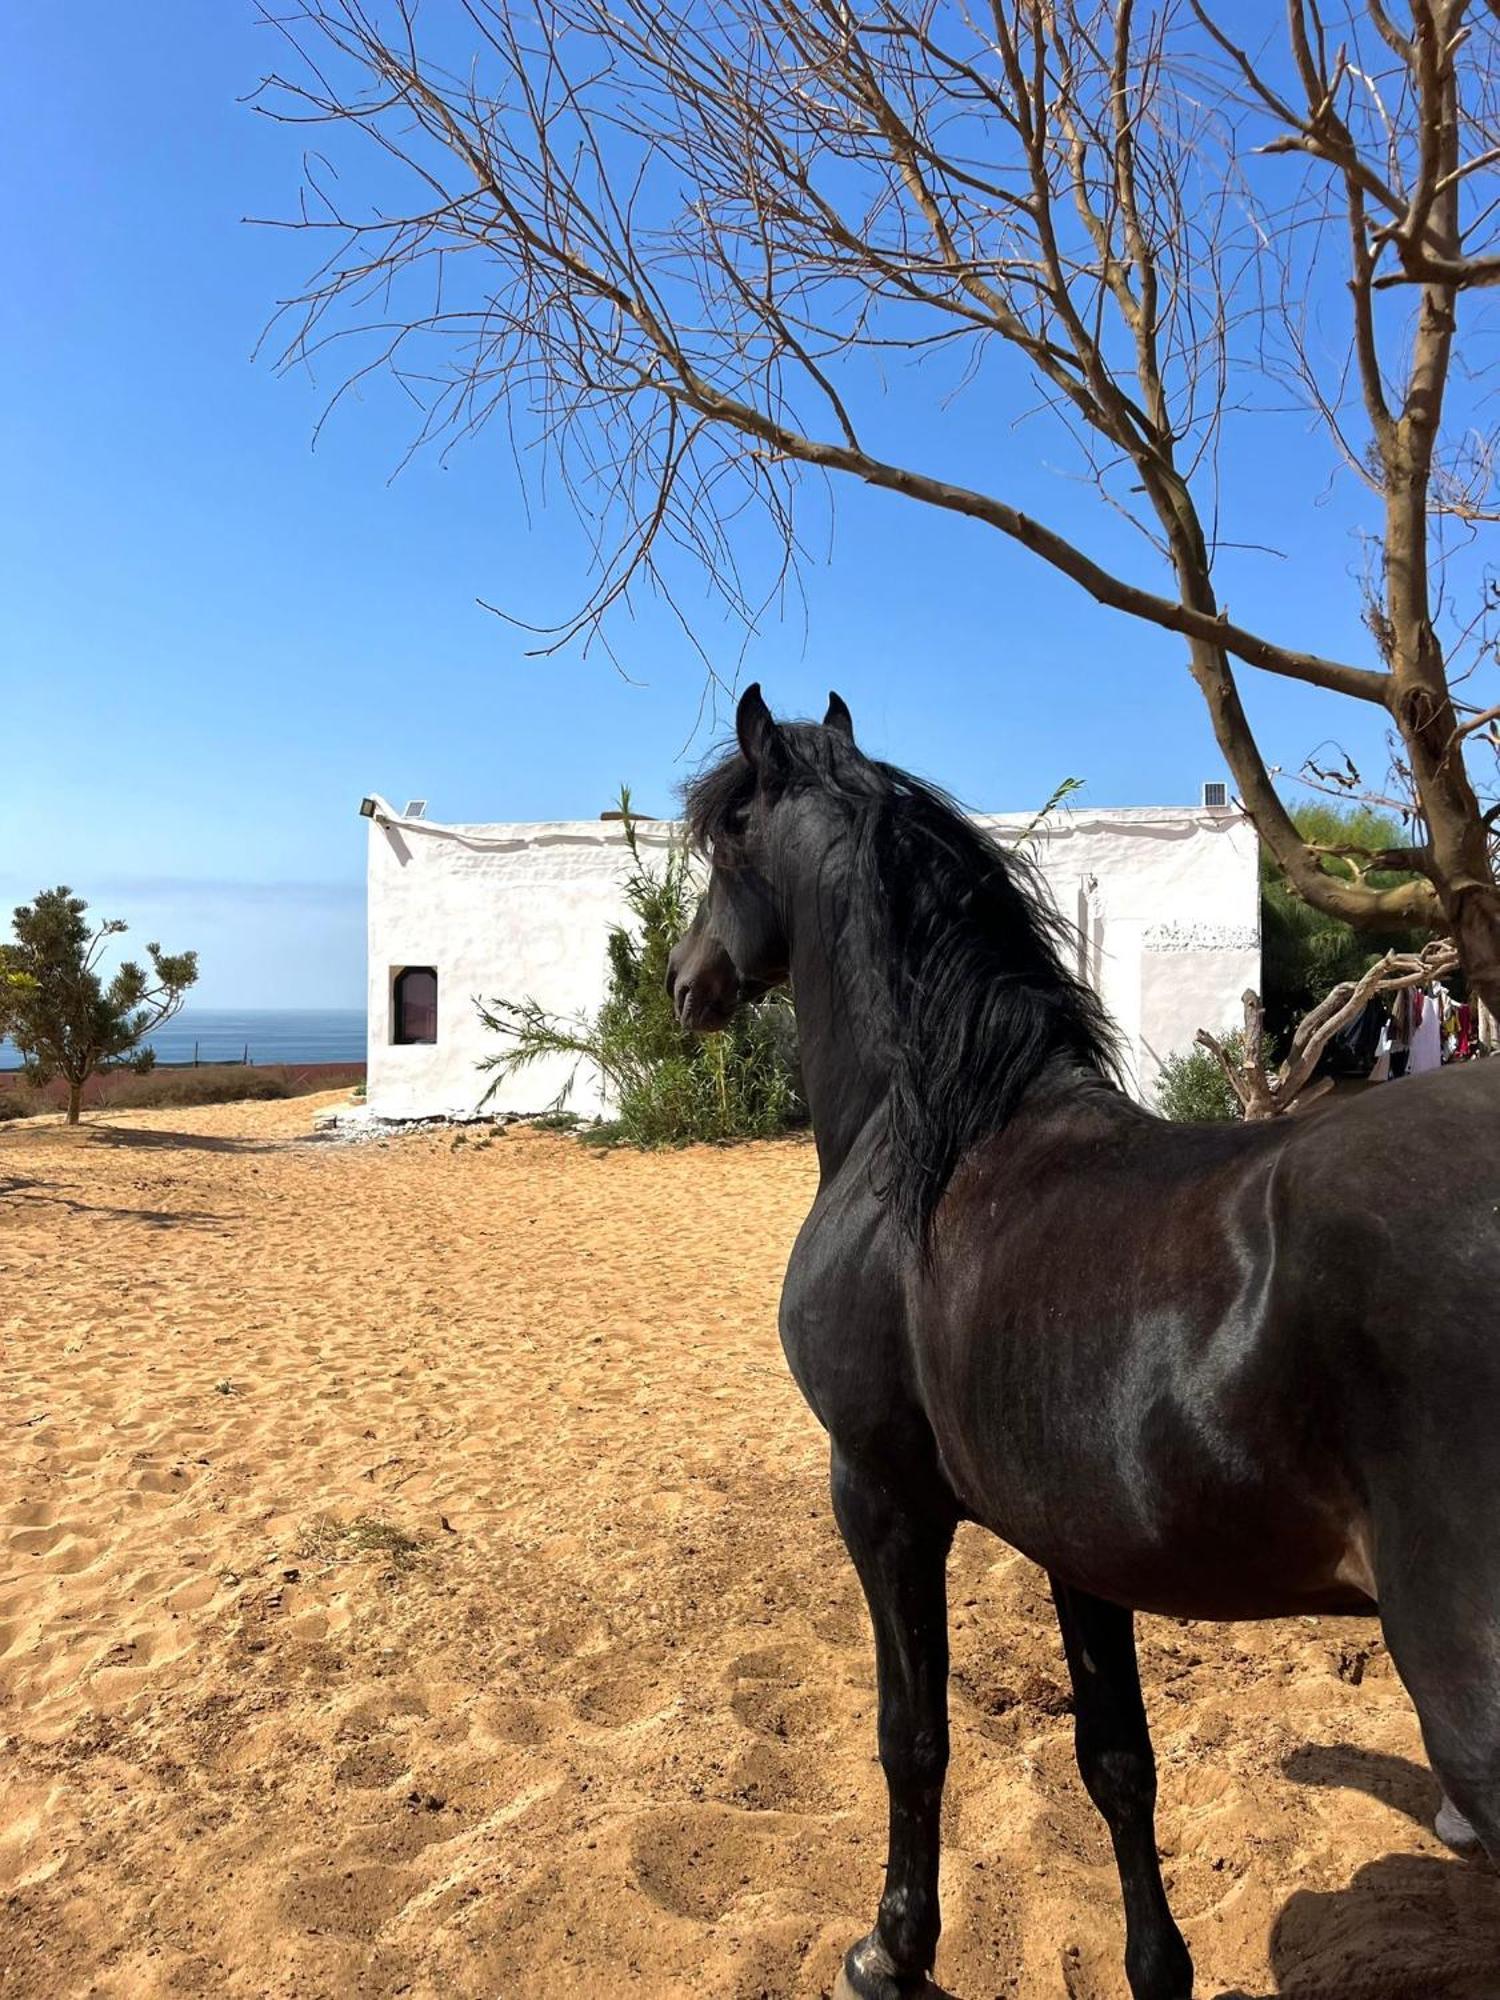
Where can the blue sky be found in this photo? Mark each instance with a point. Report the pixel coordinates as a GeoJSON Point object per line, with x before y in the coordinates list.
{"type": "Point", "coordinates": [214, 638]}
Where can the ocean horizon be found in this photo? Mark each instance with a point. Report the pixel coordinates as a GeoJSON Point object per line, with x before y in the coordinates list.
{"type": "Point", "coordinates": [269, 1034]}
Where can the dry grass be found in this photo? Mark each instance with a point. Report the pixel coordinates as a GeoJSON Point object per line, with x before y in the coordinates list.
{"type": "Point", "coordinates": [188, 1084]}
{"type": "Point", "coordinates": [328, 1540]}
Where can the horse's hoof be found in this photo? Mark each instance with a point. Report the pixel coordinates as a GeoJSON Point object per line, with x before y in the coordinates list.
{"type": "Point", "coordinates": [868, 1973]}
{"type": "Point", "coordinates": [843, 1990]}
{"type": "Point", "coordinates": [1454, 1831]}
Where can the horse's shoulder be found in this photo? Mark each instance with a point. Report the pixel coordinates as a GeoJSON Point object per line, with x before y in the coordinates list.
{"type": "Point", "coordinates": [847, 1231]}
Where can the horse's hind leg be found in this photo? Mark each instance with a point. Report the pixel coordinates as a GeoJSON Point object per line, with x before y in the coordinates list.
{"type": "Point", "coordinates": [899, 1539]}
{"type": "Point", "coordinates": [1454, 1830]}
{"type": "Point", "coordinates": [1441, 1616]}
{"type": "Point", "coordinates": [1118, 1767]}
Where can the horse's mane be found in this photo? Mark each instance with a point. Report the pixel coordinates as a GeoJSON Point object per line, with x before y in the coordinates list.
{"type": "Point", "coordinates": [973, 951]}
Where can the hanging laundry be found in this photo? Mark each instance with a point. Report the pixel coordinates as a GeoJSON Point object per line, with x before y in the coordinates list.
{"type": "Point", "coordinates": [1353, 1050]}
{"type": "Point", "coordinates": [1466, 1035]}
{"type": "Point", "coordinates": [1427, 1034]}
{"type": "Point", "coordinates": [1381, 1073]}
{"type": "Point", "coordinates": [1403, 1026]}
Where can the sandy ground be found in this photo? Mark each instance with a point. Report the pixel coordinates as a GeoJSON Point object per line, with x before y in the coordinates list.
{"type": "Point", "coordinates": [416, 1576]}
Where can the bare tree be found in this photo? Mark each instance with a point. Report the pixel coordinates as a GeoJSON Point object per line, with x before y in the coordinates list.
{"type": "Point", "coordinates": [671, 246]}
{"type": "Point", "coordinates": [1266, 1092]}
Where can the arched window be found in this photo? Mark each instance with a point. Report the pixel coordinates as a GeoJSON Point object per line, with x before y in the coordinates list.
{"type": "Point", "coordinates": [414, 1005]}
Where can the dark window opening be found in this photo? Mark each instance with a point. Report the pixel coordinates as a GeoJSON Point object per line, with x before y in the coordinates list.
{"type": "Point", "coordinates": [414, 1008]}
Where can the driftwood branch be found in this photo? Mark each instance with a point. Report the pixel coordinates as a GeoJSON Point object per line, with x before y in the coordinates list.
{"type": "Point", "coordinates": [1267, 1093]}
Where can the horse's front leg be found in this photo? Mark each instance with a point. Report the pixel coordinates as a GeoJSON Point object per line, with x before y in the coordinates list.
{"type": "Point", "coordinates": [899, 1540]}
{"type": "Point", "coordinates": [1117, 1765]}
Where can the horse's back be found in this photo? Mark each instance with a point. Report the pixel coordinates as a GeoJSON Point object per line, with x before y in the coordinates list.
{"type": "Point", "coordinates": [1203, 1335]}
{"type": "Point", "coordinates": [1393, 1238]}
{"type": "Point", "coordinates": [1447, 1121]}
{"type": "Point", "coordinates": [1396, 1194]}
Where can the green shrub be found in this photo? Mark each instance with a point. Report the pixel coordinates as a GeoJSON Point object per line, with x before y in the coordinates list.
{"type": "Point", "coordinates": [668, 1085]}
{"type": "Point", "coordinates": [1195, 1091]}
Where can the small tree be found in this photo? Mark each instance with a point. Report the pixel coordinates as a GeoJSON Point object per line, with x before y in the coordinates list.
{"type": "Point", "coordinates": [1194, 1090]}
{"type": "Point", "coordinates": [668, 1084]}
{"type": "Point", "coordinates": [58, 1011]}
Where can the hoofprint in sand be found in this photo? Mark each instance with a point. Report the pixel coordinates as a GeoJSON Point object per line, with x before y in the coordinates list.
{"type": "Point", "coordinates": [417, 1576]}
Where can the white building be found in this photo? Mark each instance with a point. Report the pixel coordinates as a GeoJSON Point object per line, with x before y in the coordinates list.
{"type": "Point", "coordinates": [1166, 900]}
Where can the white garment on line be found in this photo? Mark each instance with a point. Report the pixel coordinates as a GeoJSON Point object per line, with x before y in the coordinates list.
{"type": "Point", "coordinates": [1427, 1038]}
{"type": "Point", "coordinates": [1381, 1073]}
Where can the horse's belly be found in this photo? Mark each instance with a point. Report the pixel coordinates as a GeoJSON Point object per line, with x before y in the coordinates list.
{"type": "Point", "coordinates": [1232, 1562]}
{"type": "Point", "coordinates": [1220, 1588]}
{"type": "Point", "coordinates": [1162, 1524]}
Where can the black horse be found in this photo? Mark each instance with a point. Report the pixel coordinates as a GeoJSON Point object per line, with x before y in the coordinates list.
{"type": "Point", "coordinates": [1217, 1372]}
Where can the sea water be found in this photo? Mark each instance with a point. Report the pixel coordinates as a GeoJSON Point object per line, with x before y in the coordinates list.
{"type": "Point", "coordinates": [271, 1034]}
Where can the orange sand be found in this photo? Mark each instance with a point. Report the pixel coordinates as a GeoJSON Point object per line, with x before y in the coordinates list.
{"type": "Point", "coordinates": [607, 1728]}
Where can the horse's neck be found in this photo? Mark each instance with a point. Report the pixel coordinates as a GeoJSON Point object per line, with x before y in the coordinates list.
{"type": "Point", "coordinates": [846, 1039]}
{"type": "Point", "coordinates": [843, 1028]}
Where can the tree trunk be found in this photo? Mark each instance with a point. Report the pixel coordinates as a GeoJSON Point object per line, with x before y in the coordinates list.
{"type": "Point", "coordinates": [75, 1101]}
{"type": "Point", "coordinates": [1476, 932]}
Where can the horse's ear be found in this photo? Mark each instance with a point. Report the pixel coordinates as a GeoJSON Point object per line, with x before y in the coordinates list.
{"type": "Point", "coordinates": [838, 716]}
{"type": "Point", "coordinates": [759, 734]}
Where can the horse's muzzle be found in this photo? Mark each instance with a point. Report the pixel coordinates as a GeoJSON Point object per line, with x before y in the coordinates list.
{"type": "Point", "coordinates": [703, 1006]}
{"type": "Point", "coordinates": [704, 984]}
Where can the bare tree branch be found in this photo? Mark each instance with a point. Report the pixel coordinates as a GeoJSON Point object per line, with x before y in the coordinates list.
{"type": "Point", "coordinates": [668, 246]}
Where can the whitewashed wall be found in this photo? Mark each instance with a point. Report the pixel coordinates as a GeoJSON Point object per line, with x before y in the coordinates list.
{"type": "Point", "coordinates": [1166, 898]}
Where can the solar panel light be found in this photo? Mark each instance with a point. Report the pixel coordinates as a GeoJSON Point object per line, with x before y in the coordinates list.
{"type": "Point", "coordinates": [1215, 792]}
{"type": "Point", "coordinates": [415, 808]}
{"type": "Point", "coordinates": [367, 809]}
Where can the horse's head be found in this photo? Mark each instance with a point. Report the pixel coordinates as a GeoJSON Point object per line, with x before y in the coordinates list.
{"type": "Point", "coordinates": [736, 948]}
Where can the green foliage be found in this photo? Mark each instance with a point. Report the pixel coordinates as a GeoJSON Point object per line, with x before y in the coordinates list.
{"type": "Point", "coordinates": [1195, 1091]}
{"type": "Point", "coordinates": [54, 1003]}
{"type": "Point", "coordinates": [1060, 796]}
{"type": "Point", "coordinates": [1304, 953]}
{"type": "Point", "coordinates": [668, 1085]}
